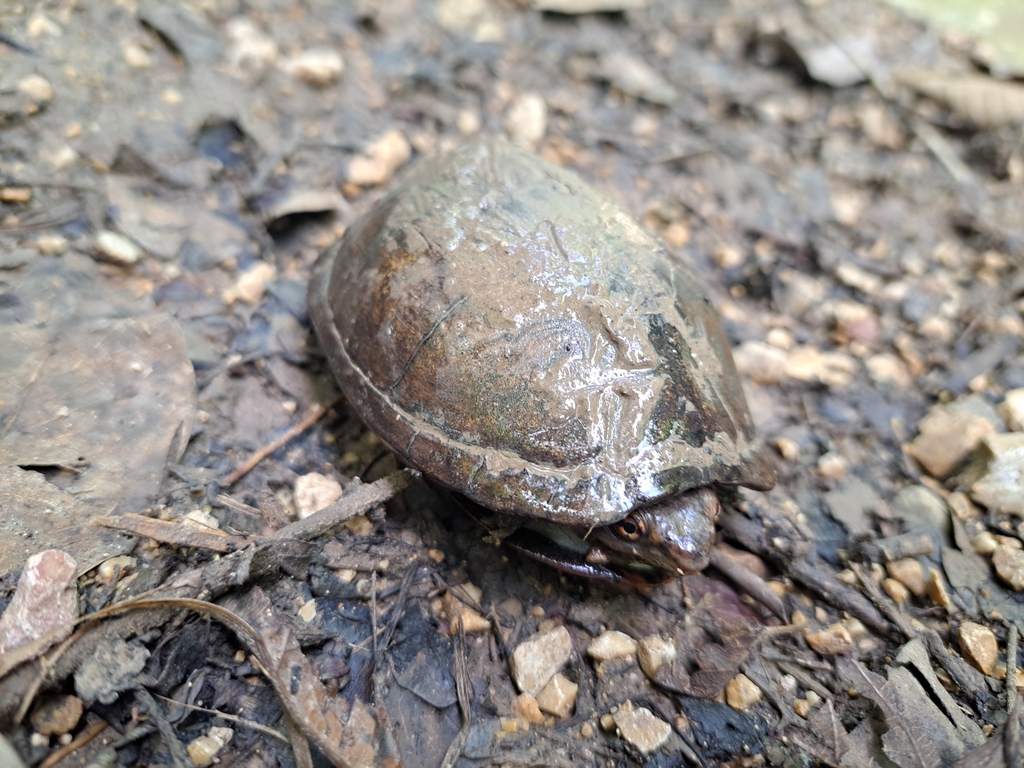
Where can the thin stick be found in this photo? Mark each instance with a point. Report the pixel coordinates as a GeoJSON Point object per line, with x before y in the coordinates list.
{"type": "Point", "coordinates": [242, 470]}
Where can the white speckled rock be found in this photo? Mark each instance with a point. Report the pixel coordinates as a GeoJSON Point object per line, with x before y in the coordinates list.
{"type": "Point", "coordinates": [536, 660]}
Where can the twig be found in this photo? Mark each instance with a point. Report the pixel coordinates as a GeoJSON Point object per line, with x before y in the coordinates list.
{"type": "Point", "coordinates": [462, 687]}
{"type": "Point", "coordinates": [241, 471]}
{"type": "Point", "coordinates": [1011, 665]}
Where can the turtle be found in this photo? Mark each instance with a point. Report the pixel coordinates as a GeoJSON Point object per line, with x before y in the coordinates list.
{"type": "Point", "coordinates": [524, 341]}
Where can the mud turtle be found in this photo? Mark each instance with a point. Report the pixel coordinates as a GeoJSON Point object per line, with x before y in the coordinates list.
{"type": "Point", "coordinates": [524, 341]}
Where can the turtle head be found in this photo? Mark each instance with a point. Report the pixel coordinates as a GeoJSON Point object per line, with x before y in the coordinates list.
{"type": "Point", "coordinates": [675, 535]}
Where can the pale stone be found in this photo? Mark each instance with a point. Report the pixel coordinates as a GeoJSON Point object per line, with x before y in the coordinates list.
{"type": "Point", "coordinates": [37, 88]}
{"type": "Point", "coordinates": [527, 119]}
{"type": "Point", "coordinates": [741, 693]}
{"type": "Point", "coordinates": [201, 520]}
{"type": "Point", "coordinates": [962, 506]}
{"type": "Point", "coordinates": [946, 437]}
{"type": "Point", "coordinates": [250, 52]}
{"type": "Point", "coordinates": [1009, 565]}
{"type": "Point", "coordinates": [318, 67]}
{"type": "Point", "coordinates": [979, 646]}
{"type": "Point", "coordinates": [788, 449]}
{"type": "Point", "coordinates": [313, 492]}
{"type": "Point", "coordinates": [1000, 489]}
{"type": "Point", "coordinates": [251, 284]}
{"type": "Point", "coordinates": [380, 161]}
{"type": "Point", "coordinates": [558, 697]}
{"type": "Point", "coordinates": [831, 641]}
{"type": "Point", "coordinates": [51, 245]}
{"type": "Point", "coordinates": [856, 277]}
{"type": "Point", "coordinates": [117, 247]}
{"type": "Point", "coordinates": [676, 234]}
{"type": "Point", "coordinates": [809, 364]}
{"type": "Point", "coordinates": [136, 56]}
{"type": "Point", "coordinates": [308, 611]}
{"type": "Point", "coordinates": [908, 572]}
{"type": "Point", "coordinates": [895, 590]}
{"type": "Point", "coordinates": [204, 749]}
{"type": "Point", "coordinates": [760, 362]}
{"type": "Point", "coordinates": [1012, 409]}
{"type": "Point", "coordinates": [936, 589]}
{"type": "Point", "coordinates": [612, 645]}
{"type": "Point", "coordinates": [984, 543]}
{"type": "Point", "coordinates": [888, 369]}
{"type": "Point", "coordinates": [640, 727]}
{"type": "Point", "coordinates": [653, 652]}
{"type": "Point", "coordinates": [832, 466]}
{"type": "Point", "coordinates": [536, 660]}
{"type": "Point", "coordinates": [525, 706]}
{"type": "Point", "coordinates": [468, 122]}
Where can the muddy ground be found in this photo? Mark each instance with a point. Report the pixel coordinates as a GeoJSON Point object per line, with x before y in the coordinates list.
{"type": "Point", "coordinates": [849, 185]}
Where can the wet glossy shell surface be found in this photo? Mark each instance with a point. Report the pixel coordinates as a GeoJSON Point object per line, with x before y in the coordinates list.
{"type": "Point", "coordinates": [523, 340]}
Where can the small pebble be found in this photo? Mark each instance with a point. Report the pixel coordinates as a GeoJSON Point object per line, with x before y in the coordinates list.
{"type": "Point", "coordinates": [676, 234]}
{"type": "Point", "coordinates": [58, 715]}
{"type": "Point", "coordinates": [895, 590]}
{"type": "Point", "coordinates": [205, 748]}
{"type": "Point", "coordinates": [536, 660]}
{"type": "Point", "coordinates": [52, 245]}
{"type": "Point", "coordinates": [945, 438]}
{"type": "Point", "coordinates": [15, 195]}
{"type": "Point", "coordinates": [984, 543]}
{"type": "Point", "coordinates": [999, 489]}
{"type": "Point", "coordinates": [979, 646]}
{"type": "Point", "coordinates": [380, 161]}
{"type": "Point", "coordinates": [653, 652]}
{"type": "Point", "coordinates": [832, 466]}
{"type": "Point", "coordinates": [640, 727]}
{"type": "Point", "coordinates": [526, 706]}
{"type": "Point", "coordinates": [558, 697]}
{"type": "Point", "coordinates": [611, 645]}
{"type": "Point", "coordinates": [834, 640]}
{"type": "Point", "coordinates": [37, 88]}
{"type": "Point", "coordinates": [741, 693]}
{"type": "Point", "coordinates": [468, 122]}
{"type": "Point", "coordinates": [760, 362]}
{"type": "Point", "coordinates": [136, 56]}
{"type": "Point", "coordinates": [937, 589]}
{"type": "Point", "coordinates": [360, 525]}
{"type": "Point", "coordinates": [1012, 409]}
{"type": "Point", "coordinates": [527, 120]}
{"type": "Point", "coordinates": [313, 492]}
{"type": "Point", "coordinates": [908, 572]}
{"type": "Point", "coordinates": [318, 67]}
{"type": "Point", "coordinates": [251, 284]}
{"type": "Point", "coordinates": [117, 248]}
{"type": "Point", "coordinates": [308, 611]}
{"type": "Point", "coordinates": [1009, 563]}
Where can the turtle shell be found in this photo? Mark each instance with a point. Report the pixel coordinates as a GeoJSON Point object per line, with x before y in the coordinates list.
{"type": "Point", "coordinates": [523, 340]}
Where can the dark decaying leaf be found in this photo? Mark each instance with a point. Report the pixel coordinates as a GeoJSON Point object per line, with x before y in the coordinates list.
{"type": "Point", "coordinates": [919, 735]}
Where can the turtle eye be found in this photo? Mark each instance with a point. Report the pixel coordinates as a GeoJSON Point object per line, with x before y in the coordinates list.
{"type": "Point", "coordinates": [630, 529]}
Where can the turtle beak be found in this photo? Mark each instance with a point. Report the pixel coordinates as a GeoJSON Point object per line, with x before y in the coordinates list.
{"type": "Point", "coordinates": [683, 529]}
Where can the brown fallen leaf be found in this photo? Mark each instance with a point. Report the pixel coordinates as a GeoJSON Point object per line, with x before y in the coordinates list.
{"type": "Point", "coordinates": [919, 735]}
